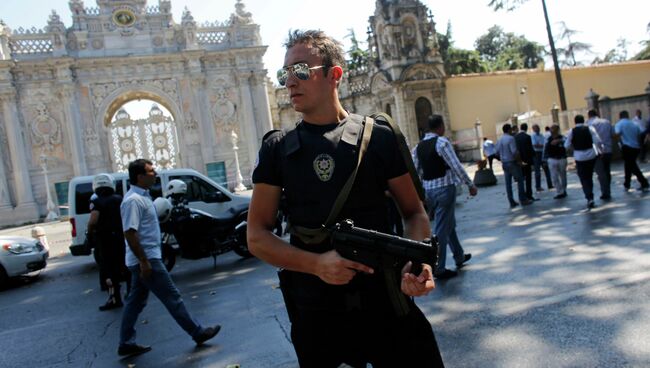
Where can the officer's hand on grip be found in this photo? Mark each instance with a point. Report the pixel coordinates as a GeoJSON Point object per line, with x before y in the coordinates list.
{"type": "Point", "coordinates": [417, 285]}
{"type": "Point", "coordinates": [336, 270]}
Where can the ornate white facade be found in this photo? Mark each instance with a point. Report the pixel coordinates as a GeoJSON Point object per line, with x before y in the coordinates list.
{"type": "Point", "coordinates": [61, 87]}
{"type": "Point", "coordinates": [403, 75]}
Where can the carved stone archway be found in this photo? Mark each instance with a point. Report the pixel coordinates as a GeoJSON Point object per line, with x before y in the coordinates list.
{"type": "Point", "coordinates": [155, 138]}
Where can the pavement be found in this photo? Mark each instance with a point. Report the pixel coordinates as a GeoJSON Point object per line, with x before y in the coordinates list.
{"type": "Point", "coordinates": [549, 285]}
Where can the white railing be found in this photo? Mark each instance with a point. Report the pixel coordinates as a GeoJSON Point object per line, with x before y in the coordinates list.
{"type": "Point", "coordinates": [212, 37]}
{"type": "Point", "coordinates": [30, 45]}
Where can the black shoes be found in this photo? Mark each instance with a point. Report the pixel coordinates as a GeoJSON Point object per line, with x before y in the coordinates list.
{"type": "Point", "coordinates": [591, 204]}
{"type": "Point", "coordinates": [526, 202]}
{"type": "Point", "coordinates": [460, 265]}
{"type": "Point", "coordinates": [446, 274]}
{"type": "Point", "coordinates": [560, 196]}
{"type": "Point", "coordinates": [129, 350]}
{"type": "Point", "coordinates": [605, 197]}
{"type": "Point", "coordinates": [111, 304]}
{"type": "Point", "coordinates": [207, 334]}
{"type": "Point", "coordinates": [514, 204]}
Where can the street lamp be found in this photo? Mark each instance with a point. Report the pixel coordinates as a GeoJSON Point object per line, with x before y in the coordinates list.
{"type": "Point", "coordinates": [52, 214]}
{"type": "Point", "coordinates": [238, 178]}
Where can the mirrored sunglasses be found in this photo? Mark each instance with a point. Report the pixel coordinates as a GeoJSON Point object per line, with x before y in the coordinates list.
{"type": "Point", "coordinates": [299, 70]}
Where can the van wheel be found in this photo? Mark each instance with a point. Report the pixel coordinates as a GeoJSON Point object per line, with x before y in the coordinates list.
{"type": "Point", "coordinates": [241, 244]}
{"type": "Point", "coordinates": [168, 256]}
{"type": "Point", "coordinates": [4, 279]}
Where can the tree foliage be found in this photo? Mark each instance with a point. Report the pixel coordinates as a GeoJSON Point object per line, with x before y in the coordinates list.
{"type": "Point", "coordinates": [644, 54]}
{"type": "Point", "coordinates": [506, 51]}
{"type": "Point", "coordinates": [458, 61]}
{"type": "Point", "coordinates": [615, 55]}
{"type": "Point", "coordinates": [572, 47]}
{"type": "Point", "coordinates": [358, 56]}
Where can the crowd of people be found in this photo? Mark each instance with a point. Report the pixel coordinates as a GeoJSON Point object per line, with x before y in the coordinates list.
{"type": "Point", "coordinates": [590, 141]}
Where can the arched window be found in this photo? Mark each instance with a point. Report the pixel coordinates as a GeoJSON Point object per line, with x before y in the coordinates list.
{"type": "Point", "coordinates": [422, 113]}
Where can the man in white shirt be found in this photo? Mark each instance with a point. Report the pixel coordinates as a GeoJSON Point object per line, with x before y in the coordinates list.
{"type": "Point", "coordinates": [489, 150]}
{"type": "Point", "coordinates": [585, 143]}
{"type": "Point", "coordinates": [605, 132]}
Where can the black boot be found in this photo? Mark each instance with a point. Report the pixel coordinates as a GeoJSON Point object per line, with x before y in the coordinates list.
{"type": "Point", "coordinates": [114, 298]}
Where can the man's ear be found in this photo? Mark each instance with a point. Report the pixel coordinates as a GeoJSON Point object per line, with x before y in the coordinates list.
{"type": "Point", "coordinates": [337, 72]}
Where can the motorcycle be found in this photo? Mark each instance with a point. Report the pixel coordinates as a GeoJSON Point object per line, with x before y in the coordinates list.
{"type": "Point", "coordinates": [195, 234]}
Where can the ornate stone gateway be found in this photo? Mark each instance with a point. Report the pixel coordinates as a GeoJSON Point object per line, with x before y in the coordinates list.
{"type": "Point", "coordinates": [61, 87]}
{"type": "Point", "coordinates": [154, 137]}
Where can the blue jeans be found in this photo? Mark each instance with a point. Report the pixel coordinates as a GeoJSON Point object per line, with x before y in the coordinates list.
{"type": "Point", "coordinates": [512, 170]}
{"type": "Point", "coordinates": [164, 289]}
{"type": "Point", "coordinates": [442, 203]}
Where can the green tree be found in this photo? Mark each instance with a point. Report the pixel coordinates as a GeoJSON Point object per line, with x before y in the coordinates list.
{"type": "Point", "coordinates": [615, 55]}
{"type": "Point", "coordinates": [358, 56]}
{"type": "Point", "coordinates": [507, 51]}
{"type": "Point", "coordinates": [644, 54]}
{"type": "Point", "coordinates": [572, 46]}
{"type": "Point", "coordinates": [458, 61]}
{"type": "Point", "coordinates": [510, 5]}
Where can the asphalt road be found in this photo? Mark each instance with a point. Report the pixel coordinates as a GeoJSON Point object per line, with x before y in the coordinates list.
{"type": "Point", "coordinates": [549, 285]}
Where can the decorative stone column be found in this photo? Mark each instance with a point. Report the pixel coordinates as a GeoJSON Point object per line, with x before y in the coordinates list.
{"type": "Point", "coordinates": [26, 209]}
{"type": "Point", "coordinates": [261, 106]}
{"type": "Point", "coordinates": [206, 125]}
{"type": "Point", "coordinates": [248, 125]}
{"type": "Point", "coordinates": [73, 129]}
{"type": "Point", "coordinates": [239, 181]}
{"type": "Point", "coordinates": [5, 201]}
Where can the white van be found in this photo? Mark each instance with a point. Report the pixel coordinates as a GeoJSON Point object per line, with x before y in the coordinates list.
{"type": "Point", "coordinates": [202, 193]}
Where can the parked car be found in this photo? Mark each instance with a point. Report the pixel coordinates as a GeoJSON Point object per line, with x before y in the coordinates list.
{"type": "Point", "coordinates": [20, 255]}
{"type": "Point", "coordinates": [202, 194]}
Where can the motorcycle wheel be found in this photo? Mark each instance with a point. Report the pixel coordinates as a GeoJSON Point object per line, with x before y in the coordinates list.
{"type": "Point", "coordinates": [241, 244]}
{"type": "Point", "coordinates": [168, 256]}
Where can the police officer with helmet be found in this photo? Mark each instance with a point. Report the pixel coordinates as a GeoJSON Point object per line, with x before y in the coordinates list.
{"type": "Point", "coordinates": [106, 224]}
{"type": "Point", "coordinates": [339, 309]}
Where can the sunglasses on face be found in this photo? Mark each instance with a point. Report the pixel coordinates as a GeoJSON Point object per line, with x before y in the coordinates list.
{"type": "Point", "coordinates": [299, 70]}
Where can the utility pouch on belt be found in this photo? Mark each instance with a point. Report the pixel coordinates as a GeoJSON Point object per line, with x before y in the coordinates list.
{"type": "Point", "coordinates": [285, 286]}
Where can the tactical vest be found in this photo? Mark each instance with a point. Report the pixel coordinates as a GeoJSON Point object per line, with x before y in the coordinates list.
{"type": "Point", "coordinates": [302, 177]}
{"type": "Point", "coordinates": [581, 139]}
{"type": "Point", "coordinates": [432, 164]}
{"type": "Point", "coordinates": [109, 220]}
{"type": "Point", "coordinates": [556, 151]}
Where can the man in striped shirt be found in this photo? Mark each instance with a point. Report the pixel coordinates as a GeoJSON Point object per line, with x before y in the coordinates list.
{"type": "Point", "coordinates": [441, 171]}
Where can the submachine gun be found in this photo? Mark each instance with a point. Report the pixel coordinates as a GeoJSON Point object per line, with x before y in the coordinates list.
{"type": "Point", "coordinates": [384, 251]}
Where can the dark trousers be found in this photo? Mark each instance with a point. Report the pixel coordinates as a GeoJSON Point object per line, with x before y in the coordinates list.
{"type": "Point", "coordinates": [629, 157]}
{"type": "Point", "coordinates": [527, 170]}
{"type": "Point", "coordinates": [604, 172]}
{"type": "Point", "coordinates": [643, 149]}
{"type": "Point", "coordinates": [586, 175]}
{"type": "Point", "coordinates": [490, 159]}
{"type": "Point", "coordinates": [328, 339]}
{"type": "Point", "coordinates": [539, 164]}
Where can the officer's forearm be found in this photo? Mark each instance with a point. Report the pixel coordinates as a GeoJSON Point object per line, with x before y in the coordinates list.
{"type": "Point", "coordinates": [271, 249]}
{"type": "Point", "coordinates": [417, 226]}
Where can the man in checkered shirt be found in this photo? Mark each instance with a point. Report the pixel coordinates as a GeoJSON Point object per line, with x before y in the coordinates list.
{"type": "Point", "coordinates": [440, 171]}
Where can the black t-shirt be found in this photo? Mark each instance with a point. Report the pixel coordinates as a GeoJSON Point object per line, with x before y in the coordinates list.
{"type": "Point", "coordinates": [110, 220]}
{"type": "Point", "coordinates": [313, 174]}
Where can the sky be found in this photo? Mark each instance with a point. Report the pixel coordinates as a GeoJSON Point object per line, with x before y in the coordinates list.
{"type": "Point", "coordinates": [600, 23]}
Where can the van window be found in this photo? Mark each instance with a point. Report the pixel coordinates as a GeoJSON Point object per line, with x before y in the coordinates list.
{"type": "Point", "coordinates": [83, 191]}
{"type": "Point", "coordinates": [199, 190]}
{"type": "Point", "coordinates": [119, 189]}
{"type": "Point", "coordinates": [155, 191]}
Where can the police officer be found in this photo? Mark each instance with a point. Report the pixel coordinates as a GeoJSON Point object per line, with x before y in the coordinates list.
{"type": "Point", "coordinates": [339, 309]}
{"type": "Point", "coordinates": [106, 224]}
